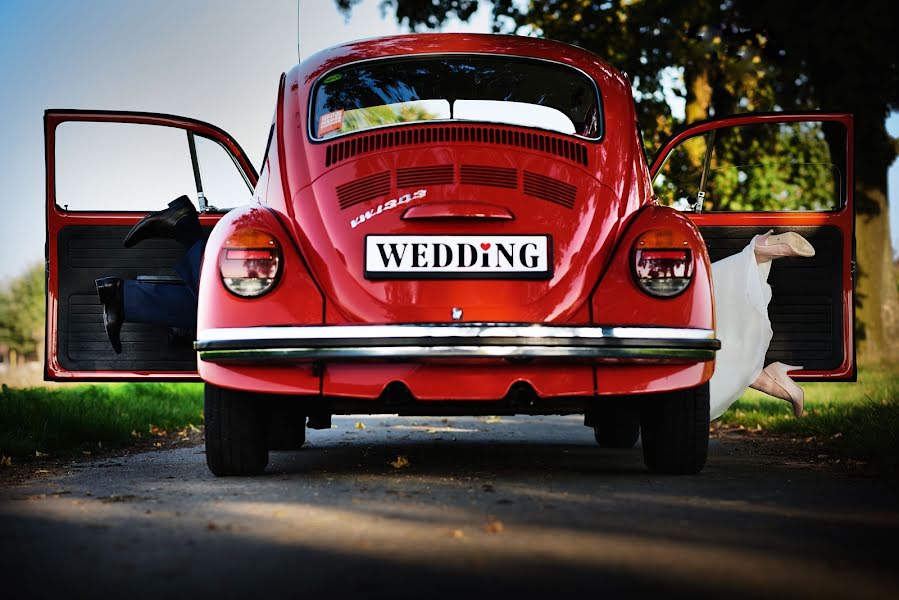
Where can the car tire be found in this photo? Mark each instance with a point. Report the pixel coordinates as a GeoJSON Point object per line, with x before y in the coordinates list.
{"type": "Point", "coordinates": [618, 426]}
{"type": "Point", "coordinates": [236, 441]}
{"type": "Point", "coordinates": [675, 427]}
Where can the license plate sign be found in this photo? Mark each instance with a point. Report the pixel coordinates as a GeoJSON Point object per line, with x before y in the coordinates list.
{"type": "Point", "coordinates": [458, 257]}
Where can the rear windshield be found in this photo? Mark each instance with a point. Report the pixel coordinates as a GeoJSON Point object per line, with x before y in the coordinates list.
{"type": "Point", "coordinates": [495, 89]}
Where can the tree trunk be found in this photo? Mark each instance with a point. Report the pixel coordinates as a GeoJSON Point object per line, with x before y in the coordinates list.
{"type": "Point", "coordinates": [699, 101]}
{"type": "Point", "coordinates": [878, 306]}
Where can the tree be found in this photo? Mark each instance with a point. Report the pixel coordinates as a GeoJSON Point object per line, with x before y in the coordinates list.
{"type": "Point", "coordinates": [22, 312]}
{"type": "Point", "coordinates": [738, 56]}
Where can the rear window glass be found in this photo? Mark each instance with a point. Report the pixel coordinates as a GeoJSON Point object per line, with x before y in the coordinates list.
{"type": "Point", "coordinates": [506, 90]}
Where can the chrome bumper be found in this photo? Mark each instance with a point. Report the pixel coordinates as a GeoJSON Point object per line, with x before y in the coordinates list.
{"type": "Point", "coordinates": [452, 340]}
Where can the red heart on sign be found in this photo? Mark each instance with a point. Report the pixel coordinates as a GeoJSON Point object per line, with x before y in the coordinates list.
{"type": "Point", "coordinates": [485, 246]}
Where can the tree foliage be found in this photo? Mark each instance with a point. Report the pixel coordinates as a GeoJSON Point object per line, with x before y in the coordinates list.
{"type": "Point", "coordinates": [376, 116]}
{"type": "Point", "coordinates": [22, 312]}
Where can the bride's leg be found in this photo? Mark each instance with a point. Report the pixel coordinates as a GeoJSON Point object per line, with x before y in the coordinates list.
{"type": "Point", "coordinates": [769, 247]}
{"type": "Point", "coordinates": [742, 295]}
{"type": "Point", "coordinates": [774, 381]}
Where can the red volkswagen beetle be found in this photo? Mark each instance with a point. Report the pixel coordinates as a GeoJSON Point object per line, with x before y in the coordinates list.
{"type": "Point", "coordinates": [448, 224]}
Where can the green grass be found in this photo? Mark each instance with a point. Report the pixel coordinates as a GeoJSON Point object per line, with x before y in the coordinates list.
{"type": "Point", "coordinates": [854, 420]}
{"type": "Point", "coordinates": [67, 419]}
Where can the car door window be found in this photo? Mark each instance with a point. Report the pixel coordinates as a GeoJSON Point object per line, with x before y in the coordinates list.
{"type": "Point", "coordinates": [224, 184]}
{"type": "Point", "coordinates": [765, 167]}
{"type": "Point", "coordinates": [123, 167]}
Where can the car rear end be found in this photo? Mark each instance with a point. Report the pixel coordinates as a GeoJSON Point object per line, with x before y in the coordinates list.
{"type": "Point", "coordinates": [445, 230]}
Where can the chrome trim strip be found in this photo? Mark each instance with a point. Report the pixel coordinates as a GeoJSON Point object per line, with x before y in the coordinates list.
{"type": "Point", "coordinates": [454, 340]}
{"type": "Point", "coordinates": [415, 352]}
{"type": "Point", "coordinates": [444, 330]}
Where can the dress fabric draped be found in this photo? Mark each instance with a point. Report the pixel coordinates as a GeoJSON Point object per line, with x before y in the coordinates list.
{"type": "Point", "coordinates": [742, 295]}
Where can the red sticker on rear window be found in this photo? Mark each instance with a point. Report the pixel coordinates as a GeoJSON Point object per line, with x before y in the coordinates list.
{"type": "Point", "coordinates": [329, 122]}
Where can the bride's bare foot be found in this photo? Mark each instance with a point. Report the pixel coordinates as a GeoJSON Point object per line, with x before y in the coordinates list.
{"type": "Point", "coordinates": [769, 247]}
{"type": "Point", "coordinates": [774, 381]}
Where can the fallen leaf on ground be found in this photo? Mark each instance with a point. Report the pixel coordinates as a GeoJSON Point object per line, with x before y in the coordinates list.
{"type": "Point", "coordinates": [86, 452]}
{"type": "Point", "coordinates": [494, 526]}
{"type": "Point", "coordinates": [39, 454]}
{"type": "Point", "coordinates": [193, 428]}
{"type": "Point", "coordinates": [401, 462]}
{"type": "Point", "coordinates": [6, 461]}
{"type": "Point", "coordinates": [493, 419]}
{"type": "Point", "coordinates": [360, 425]}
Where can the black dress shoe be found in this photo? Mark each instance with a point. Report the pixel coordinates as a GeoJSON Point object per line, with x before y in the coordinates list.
{"type": "Point", "coordinates": [112, 297]}
{"type": "Point", "coordinates": [178, 221]}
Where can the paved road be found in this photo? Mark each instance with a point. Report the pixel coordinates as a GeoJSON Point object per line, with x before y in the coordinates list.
{"type": "Point", "coordinates": [526, 507]}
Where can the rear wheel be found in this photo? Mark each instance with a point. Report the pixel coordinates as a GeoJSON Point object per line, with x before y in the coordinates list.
{"type": "Point", "coordinates": [617, 425]}
{"type": "Point", "coordinates": [675, 428]}
{"type": "Point", "coordinates": [236, 441]}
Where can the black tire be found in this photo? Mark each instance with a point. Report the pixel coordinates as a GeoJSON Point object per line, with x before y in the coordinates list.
{"type": "Point", "coordinates": [675, 428]}
{"type": "Point", "coordinates": [236, 441]}
{"type": "Point", "coordinates": [618, 425]}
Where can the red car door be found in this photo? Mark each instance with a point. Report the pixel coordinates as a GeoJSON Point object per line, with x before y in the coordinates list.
{"type": "Point", "coordinates": [740, 176]}
{"type": "Point", "coordinates": [105, 171]}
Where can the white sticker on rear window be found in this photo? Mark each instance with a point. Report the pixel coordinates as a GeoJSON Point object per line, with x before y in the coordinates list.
{"type": "Point", "coordinates": [329, 122]}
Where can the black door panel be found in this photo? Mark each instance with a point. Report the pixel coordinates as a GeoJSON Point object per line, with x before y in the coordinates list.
{"type": "Point", "coordinates": [805, 309]}
{"type": "Point", "coordinates": [87, 253]}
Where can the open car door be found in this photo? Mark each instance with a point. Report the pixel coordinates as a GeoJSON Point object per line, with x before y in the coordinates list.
{"type": "Point", "coordinates": [740, 176]}
{"type": "Point", "coordinates": [106, 171]}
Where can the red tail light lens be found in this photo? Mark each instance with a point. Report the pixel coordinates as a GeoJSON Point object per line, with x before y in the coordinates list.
{"type": "Point", "coordinates": [663, 263]}
{"type": "Point", "coordinates": [250, 262]}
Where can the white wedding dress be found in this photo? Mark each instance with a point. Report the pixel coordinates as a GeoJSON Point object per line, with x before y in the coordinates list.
{"type": "Point", "coordinates": [742, 295]}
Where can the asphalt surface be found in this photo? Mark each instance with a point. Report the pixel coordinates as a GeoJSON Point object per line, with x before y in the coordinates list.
{"type": "Point", "coordinates": [426, 508]}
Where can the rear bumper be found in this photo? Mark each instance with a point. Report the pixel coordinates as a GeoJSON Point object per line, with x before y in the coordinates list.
{"type": "Point", "coordinates": [452, 340]}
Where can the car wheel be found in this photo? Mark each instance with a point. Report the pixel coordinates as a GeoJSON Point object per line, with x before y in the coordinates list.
{"type": "Point", "coordinates": [235, 432]}
{"type": "Point", "coordinates": [618, 425]}
{"type": "Point", "coordinates": [675, 428]}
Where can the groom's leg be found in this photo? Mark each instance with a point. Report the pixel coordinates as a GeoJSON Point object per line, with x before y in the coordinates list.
{"type": "Point", "coordinates": [160, 304]}
{"type": "Point", "coordinates": [188, 268]}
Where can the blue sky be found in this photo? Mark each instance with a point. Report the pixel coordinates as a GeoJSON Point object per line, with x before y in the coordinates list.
{"type": "Point", "coordinates": [214, 60]}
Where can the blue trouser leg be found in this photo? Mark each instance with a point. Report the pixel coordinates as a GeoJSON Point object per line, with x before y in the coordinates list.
{"type": "Point", "coordinates": [167, 304]}
{"type": "Point", "coordinates": [189, 266]}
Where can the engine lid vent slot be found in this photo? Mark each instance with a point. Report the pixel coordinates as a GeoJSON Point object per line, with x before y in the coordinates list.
{"type": "Point", "coordinates": [490, 176]}
{"type": "Point", "coordinates": [361, 190]}
{"type": "Point", "coordinates": [547, 188]}
{"type": "Point", "coordinates": [416, 176]}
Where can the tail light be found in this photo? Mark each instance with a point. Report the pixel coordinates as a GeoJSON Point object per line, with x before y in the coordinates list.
{"type": "Point", "coordinates": [250, 262]}
{"type": "Point", "coordinates": [663, 263]}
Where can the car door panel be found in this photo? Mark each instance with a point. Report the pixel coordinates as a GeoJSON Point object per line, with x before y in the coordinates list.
{"type": "Point", "coordinates": [85, 245]}
{"type": "Point", "coordinates": [812, 305]}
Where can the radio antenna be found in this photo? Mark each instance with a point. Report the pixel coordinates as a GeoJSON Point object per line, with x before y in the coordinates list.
{"type": "Point", "coordinates": [299, 58]}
